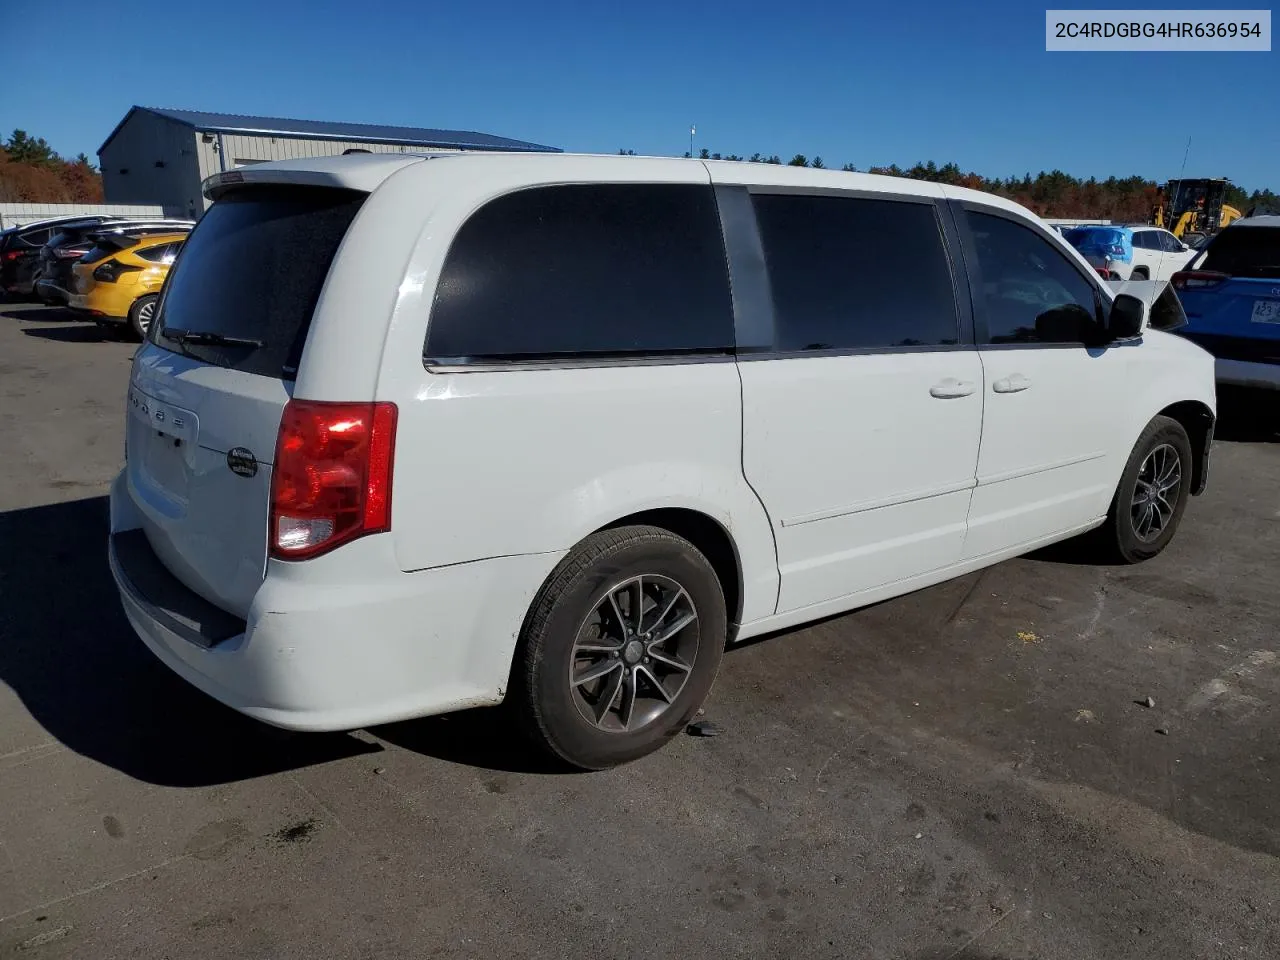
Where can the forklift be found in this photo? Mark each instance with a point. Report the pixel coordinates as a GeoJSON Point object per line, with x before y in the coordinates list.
{"type": "Point", "coordinates": [1193, 209]}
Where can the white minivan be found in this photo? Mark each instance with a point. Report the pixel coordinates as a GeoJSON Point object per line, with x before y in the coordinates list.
{"type": "Point", "coordinates": [412, 434]}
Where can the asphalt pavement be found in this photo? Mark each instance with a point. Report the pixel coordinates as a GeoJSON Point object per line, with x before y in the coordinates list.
{"type": "Point", "coordinates": [966, 773]}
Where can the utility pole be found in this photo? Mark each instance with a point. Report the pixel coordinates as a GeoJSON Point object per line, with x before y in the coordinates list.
{"type": "Point", "coordinates": [692, 131]}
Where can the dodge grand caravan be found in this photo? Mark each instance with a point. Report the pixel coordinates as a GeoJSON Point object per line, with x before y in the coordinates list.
{"type": "Point", "coordinates": [411, 434]}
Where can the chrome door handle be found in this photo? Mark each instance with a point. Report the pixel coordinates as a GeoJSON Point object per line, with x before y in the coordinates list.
{"type": "Point", "coordinates": [951, 388]}
{"type": "Point", "coordinates": [1014, 383]}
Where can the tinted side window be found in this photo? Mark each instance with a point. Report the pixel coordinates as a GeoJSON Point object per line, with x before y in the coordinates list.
{"type": "Point", "coordinates": [37, 238]}
{"type": "Point", "coordinates": [849, 272]}
{"type": "Point", "coordinates": [585, 270]}
{"type": "Point", "coordinates": [1171, 243]}
{"type": "Point", "coordinates": [1030, 292]}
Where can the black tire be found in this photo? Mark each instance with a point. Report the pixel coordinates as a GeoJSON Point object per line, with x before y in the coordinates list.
{"type": "Point", "coordinates": [573, 607]}
{"type": "Point", "coordinates": [1141, 273]}
{"type": "Point", "coordinates": [140, 314]}
{"type": "Point", "coordinates": [1121, 537]}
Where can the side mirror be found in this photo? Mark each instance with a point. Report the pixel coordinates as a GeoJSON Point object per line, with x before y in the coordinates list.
{"type": "Point", "coordinates": [1128, 314]}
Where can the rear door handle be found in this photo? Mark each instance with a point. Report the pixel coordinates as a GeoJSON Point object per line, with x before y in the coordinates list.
{"type": "Point", "coordinates": [951, 388]}
{"type": "Point", "coordinates": [1014, 383]}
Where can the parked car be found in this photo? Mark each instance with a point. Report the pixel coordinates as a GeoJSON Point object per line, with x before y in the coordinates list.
{"type": "Point", "coordinates": [1134, 252]}
{"type": "Point", "coordinates": [52, 276]}
{"type": "Point", "coordinates": [1231, 294]}
{"type": "Point", "coordinates": [20, 250]}
{"type": "Point", "coordinates": [118, 281]}
{"type": "Point", "coordinates": [550, 430]}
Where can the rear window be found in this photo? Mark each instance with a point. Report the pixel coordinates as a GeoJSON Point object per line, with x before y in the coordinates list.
{"type": "Point", "coordinates": [72, 238]}
{"type": "Point", "coordinates": [106, 247]}
{"type": "Point", "coordinates": [1244, 252]}
{"type": "Point", "coordinates": [252, 270]}
{"type": "Point", "coordinates": [1094, 237]}
{"type": "Point", "coordinates": [589, 270]}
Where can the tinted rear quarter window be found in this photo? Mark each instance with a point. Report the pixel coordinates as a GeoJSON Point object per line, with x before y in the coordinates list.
{"type": "Point", "coordinates": [253, 269]}
{"type": "Point", "coordinates": [36, 238]}
{"type": "Point", "coordinates": [585, 271]}
{"type": "Point", "coordinates": [1244, 252]}
{"type": "Point", "coordinates": [160, 253]}
{"type": "Point", "coordinates": [852, 272]}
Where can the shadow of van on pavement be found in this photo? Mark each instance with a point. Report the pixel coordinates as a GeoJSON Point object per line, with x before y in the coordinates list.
{"type": "Point", "coordinates": [73, 660]}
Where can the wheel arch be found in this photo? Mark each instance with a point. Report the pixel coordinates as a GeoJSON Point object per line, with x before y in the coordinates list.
{"type": "Point", "coordinates": [711, 538]}
{"type": "Point", "coordinates": [1197, 419]}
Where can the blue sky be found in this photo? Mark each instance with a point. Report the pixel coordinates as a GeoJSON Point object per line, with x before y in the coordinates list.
{"type": "Point", "coordinates": [896, 82]}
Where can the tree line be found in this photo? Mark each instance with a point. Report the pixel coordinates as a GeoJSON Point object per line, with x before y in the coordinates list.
{"type": "Point", "coordinates": [32, 171]}
{"type": "Point", "coordinates": [1049, 194]}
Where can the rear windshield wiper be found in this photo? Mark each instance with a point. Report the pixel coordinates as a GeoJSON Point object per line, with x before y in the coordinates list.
{"type": "Point", "coordinates": [207, 337]}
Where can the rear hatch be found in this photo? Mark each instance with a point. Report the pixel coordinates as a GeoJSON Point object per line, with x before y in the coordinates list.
{"type": "Point", "coordinates": [1231, 294]}
{"type": "Point", "coordinates": [209, 386]}
{"type": "Point", "coordinates": [1100, 245]}
{"type": "Point", "coordinates": [82, 271]}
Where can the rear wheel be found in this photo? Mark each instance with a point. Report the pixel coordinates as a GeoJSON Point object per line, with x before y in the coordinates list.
{"type": "Point", "coordinates": [620, 647]}
{"type": "Point", "coordinates": [1152, 494]}
{"type": "Point", "coordinates": [1140, 273]}
{"type": "Point", "coordinates": [140, 314]}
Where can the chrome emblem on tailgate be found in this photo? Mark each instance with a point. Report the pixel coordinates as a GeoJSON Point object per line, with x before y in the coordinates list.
{"type": "Point", "coordinates": [242, 462]}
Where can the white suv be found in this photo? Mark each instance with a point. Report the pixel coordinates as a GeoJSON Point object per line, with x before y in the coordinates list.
{"type": "Point", "coordinates": [412, 434]}
{"type": "Point", "coordinates": [1157, 254]}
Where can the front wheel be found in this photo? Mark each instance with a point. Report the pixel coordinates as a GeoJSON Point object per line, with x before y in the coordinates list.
{"type": "Point", "coordinates": [1152, 494]}
{"type": "Point", "coordinates": [620, 648]}
{"type": "Point", "coordinates": [141, 313]}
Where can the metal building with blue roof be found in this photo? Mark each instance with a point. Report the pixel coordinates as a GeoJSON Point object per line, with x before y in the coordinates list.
{"type": "Point", "coordinates": [161, 156]}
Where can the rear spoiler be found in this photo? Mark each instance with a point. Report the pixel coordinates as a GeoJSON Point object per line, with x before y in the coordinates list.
{"type": "Point", "coordinates": [360, 171]}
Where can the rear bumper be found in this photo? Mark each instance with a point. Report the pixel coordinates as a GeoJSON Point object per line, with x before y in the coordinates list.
{"type": "Point", "coordinates": [1246, 373]}
{"type": "Point", "coordinates": [51, 291]}
{"type": "Point", "coordinates": [343, 641]}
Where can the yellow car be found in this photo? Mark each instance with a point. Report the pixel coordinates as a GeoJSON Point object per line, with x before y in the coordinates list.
{"type": "Point", "coordinates": [119, 280]}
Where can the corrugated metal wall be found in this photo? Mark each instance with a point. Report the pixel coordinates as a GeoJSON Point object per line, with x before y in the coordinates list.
{"type": "Point", "coordinates": [252, 148]}
{"type": "Point", "coordinates": [16, 214]}
{"type": "Point", "coordinates": [152, 160]}
{"type": "Point", "coordinates": [166, 161]}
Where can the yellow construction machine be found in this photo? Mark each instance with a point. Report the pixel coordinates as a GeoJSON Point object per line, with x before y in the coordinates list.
{"type": "Point", "coordinates": [1194, 207]}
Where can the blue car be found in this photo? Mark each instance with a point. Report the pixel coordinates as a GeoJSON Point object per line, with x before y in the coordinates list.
{"type": "Point", "coordinates": [1231, 294]}
{"type": "Point", "coordinates": [1108, 249]}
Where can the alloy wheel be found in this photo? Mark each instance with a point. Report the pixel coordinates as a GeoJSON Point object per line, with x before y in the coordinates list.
{"type": "Point", "coordinates": [634, 653]}
{"type": "Point", "coordinates": [145, 313]}
{"type": "Point", "coordinates": [1156, 492]}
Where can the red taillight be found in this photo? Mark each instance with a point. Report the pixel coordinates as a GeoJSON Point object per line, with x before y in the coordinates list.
{"type": "Point", "coordinates": [67, 253]}
{"type": "Point", "coordinates": [13, 255]}
{"type": "Point", "coordinates": [1197, 279]}
{"type": "Point", "coordinates": [332, 477]}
